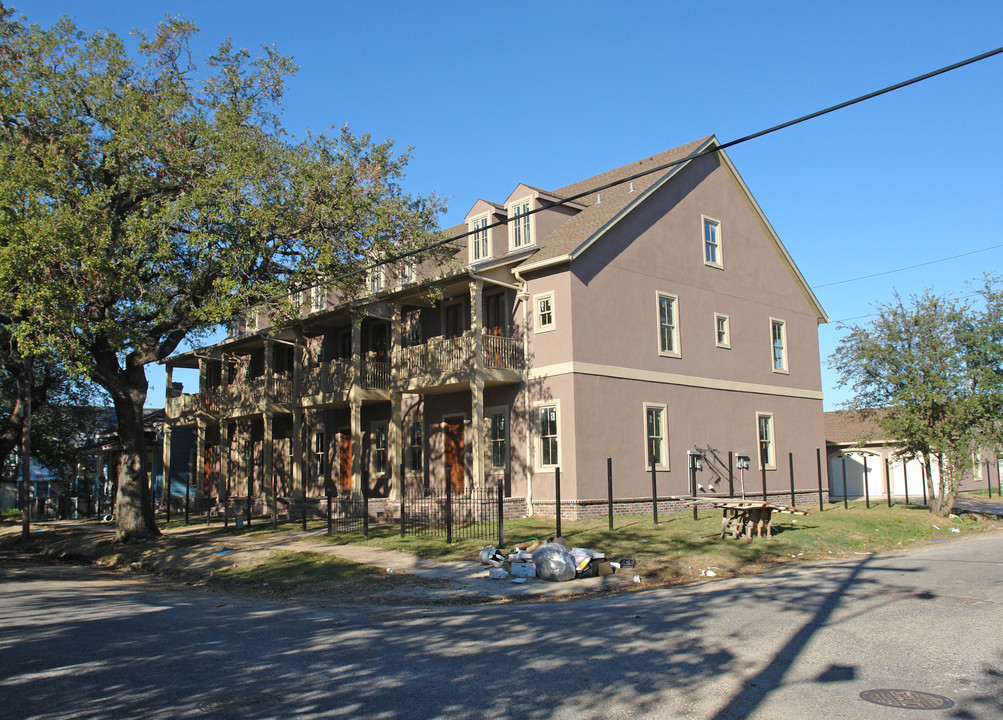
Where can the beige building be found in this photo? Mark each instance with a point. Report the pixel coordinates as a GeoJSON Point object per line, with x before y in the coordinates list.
{"type": "Point", "coordinates": [640, 315]}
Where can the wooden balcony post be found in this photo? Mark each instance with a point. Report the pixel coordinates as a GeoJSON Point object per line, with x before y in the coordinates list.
{"type": "Point", "coordinates": [477, 383]}
{"type": "Point", "coordinates": [223, 489]}
{"type": "Point", "coordinates": [165, 491]}
{"type": "Point", "coordinates": [395, 451]}
{"type": "Point", "coordinates": [199, 464]}
{"type": "Point", "coordinates": [267, 452]}
{"type": "Point", "coordinates": [269, 359]}
{"type": "Point", "coordinates": [355, 379]}
{"type": "Point", "coordinates": [299, 360]}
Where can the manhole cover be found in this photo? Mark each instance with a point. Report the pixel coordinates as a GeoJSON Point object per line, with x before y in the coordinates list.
{"type": "Point", "coordinates": [908, 699]}
{"type": "Point", "coordinates": [250, 701]}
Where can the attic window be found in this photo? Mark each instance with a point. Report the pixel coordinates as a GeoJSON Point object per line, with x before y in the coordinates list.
{"type": "Point", "coordinates": [479, 239]}
{"type": "Point", "coordinates": [519, 232]}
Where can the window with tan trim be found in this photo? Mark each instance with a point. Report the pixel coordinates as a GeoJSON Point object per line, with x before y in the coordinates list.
{"type": "Point", "coordinates": [520, 232]}
{"type": "Point", "coordinates": [722, 330]}
{"type": "Point", "coordinates": [548, 436]}
{"type": "Point", "coordinates": [712, 243]}
{"type": "Point", "coordinates": [778, 344]}
{"type": "Point", "coordinates": [668, 325]}
{"type": "Point", "coordinates": [479, 239]}
{"type": "Point", "coordinates": [656, 436]}
{"type": "Point", "coordinates": [767, 450]}
{"type": "Point", "coordinates": [543, 312]}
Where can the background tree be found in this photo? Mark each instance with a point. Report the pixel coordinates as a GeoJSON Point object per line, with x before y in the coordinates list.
{"type": "Point", "coordinates": [932, 367]}
{"type": "Point", "coordinates": [145, 200]}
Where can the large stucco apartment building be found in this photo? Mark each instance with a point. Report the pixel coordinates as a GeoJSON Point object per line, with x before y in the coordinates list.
{"type": "Point", "coordinates": [642, 313]}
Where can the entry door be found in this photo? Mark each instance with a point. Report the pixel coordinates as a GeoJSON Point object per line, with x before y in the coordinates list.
{"type": "Point", "coordinates": [494, 314]}
{"type": "Point", "coordinates": [344, 460]}
{"type": "Point", "coordinates": [452, 431]}
{"type": "Point", "coordinates": [455, 324]}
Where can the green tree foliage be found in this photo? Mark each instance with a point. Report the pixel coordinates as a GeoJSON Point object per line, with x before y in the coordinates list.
{"type": "Point", "coordinates": [145, 199]}
{"type": "Point", "coordinates": [928, 370]}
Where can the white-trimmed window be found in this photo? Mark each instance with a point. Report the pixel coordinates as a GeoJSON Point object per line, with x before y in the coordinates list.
{"type": "Point", "coordinates": [414, 446]}
{"type": "Point", "coordinates": [712, 243]}
{"type": "Point", "coordinates": [319, 452]}
{"type": "Point", "coordinates": [548, 432]}
{"type": "Point", "coordinates": [778, 344]}
{"type": "Point", "coordinates": [767, 451]}
{"type": "Point", "coordinates": [722, 330]}
{"type": "Point", "coordinates": [378, 459]}
{"type": "Point", "coordinates": [375, 279]}
{"type": "Point", "coordinates": [479, 239]}
{"type": "Point", "coordinates": [497, 421]}
{"type": "Point", "coordinates": [656, 436]}
{"type": "Point", "coordinates": [543, 313]}
{"type": "Point", "coordinates": [668, 325]}
{"type": "Point", "coordinates": [407, 272]}
{"type": "Point", "coordinates": [318, 298]}
{"type": "Point", "coordinates": [519, 227]}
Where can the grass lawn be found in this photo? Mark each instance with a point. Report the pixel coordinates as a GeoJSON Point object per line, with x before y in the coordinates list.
{"type": "Point", "coordinates": [679, 548]}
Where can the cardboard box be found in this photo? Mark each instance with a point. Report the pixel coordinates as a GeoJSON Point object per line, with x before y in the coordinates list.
{"type": "Point", "coordinates": [524, 569]}
{"type": "Point", "coordinates": [603, 568]}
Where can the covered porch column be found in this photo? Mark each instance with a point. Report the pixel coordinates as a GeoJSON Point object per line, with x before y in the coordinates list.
{"type": "Point", "coordinates": [477, 384]}
{"type": "Point", "coordinates": [267, 449]}
{"type": "Point", "coordinates": [355, 403]}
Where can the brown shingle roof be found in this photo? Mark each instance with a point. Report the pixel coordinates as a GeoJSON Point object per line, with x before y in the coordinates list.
{"type": "Point", "coordinates": [853, 427]}
{"type": "Point", "coordinates": [582, 226]}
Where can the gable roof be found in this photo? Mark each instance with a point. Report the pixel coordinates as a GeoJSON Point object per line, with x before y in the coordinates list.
{"type": "Point", "coordinates": [610, 196]}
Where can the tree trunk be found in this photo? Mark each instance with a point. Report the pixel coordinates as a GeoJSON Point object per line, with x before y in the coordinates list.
{"type": "Point", "coordinates": [133, 506]}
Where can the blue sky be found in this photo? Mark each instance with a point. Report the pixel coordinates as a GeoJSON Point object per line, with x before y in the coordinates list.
{"type": "Point", "coordinates": [490, 94]}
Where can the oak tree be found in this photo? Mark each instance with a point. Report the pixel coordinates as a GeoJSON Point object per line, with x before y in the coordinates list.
{"type": "Point", "coordinates": [146, 198]}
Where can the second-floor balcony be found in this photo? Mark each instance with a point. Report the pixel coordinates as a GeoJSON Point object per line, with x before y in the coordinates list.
{"type": "Point", "coordinates": [443, 361]}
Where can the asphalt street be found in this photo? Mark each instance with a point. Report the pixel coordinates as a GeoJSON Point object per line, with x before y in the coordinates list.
{"type": "Point", "coordinates": [801, 643]}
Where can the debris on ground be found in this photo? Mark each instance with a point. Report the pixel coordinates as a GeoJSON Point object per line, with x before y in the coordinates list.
{"type": "Point", "coordinates": [554, 560]}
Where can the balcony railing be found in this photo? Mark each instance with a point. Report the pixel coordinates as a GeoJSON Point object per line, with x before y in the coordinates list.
{"type": "Point", "coordinates": [375, 374]}
{"type": "Point", "coordinates": [181, 405]}
{"type": "Point", "coordinates": [330, 377]}
{"type": "Point", "coordinates": [503, 353]}
{"type": "Point", "coordinates": [438, 356]}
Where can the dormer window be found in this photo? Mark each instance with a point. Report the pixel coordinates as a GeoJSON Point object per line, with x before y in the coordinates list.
{"type": "Point", "coordinates": [479, 240]}
{"type": "Point", "coordinates": [519, 232]}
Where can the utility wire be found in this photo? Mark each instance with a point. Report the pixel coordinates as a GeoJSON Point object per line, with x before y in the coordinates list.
{"type": "Point", "coordinates": [673, 163]}
{"type": "Point", "coordinates": [908, 267]}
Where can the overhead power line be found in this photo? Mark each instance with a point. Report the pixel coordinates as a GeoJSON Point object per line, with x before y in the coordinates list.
{"type": "Point", "coordinates": [908, 267]}
{"type": "Point", "coordinates": [688, 158]}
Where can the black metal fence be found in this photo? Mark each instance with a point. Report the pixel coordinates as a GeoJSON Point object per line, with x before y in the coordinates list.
{"type": "Point", "coordinates": [474, 514]}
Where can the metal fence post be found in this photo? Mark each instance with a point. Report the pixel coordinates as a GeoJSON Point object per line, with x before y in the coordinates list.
{"type": "Point", "coordinates": [275, 504]}
{"type": "Point", "coordinates": [846, 505]}
{"type": "Point", "coordinates": [888, 483]}
{"type": "Point", "coordinates": [609, 490]}
{"type": "Point", "coordinates": [365, 509]}
{"type": "Point", "coordinates": [654, 495]}
{"type": "Point", "coordinates": [449, 509]}
{"type": "Point", "coordinates": [867, 484]}
{"type": "Point", "coordinates": [989, 481]}
{"type": "Point", "coordinates": [818, 460]}
{"type": "Point", "coordinates": [188, 494]}
{"type": "Point", "coordinates": [557, 498]}
{"type": "Point", "coordinates": [763, 468]}
{"type": "Point", "coordinates": [168, 499]}
{"type": "Point", "coordinates": [403, 492]}
{"type": "Point", "coordinates": [330, 514]}
{"type": "Point", "coordinates": [731, 474]}
{"type": "Point", "coordinates": [905, 480]}
{"type": "Point", "coordinates": [923, 476]}
{"type": "Point", "coordinates": [790, 459]}
{"type": "Point", "coordinates": [501, 512]}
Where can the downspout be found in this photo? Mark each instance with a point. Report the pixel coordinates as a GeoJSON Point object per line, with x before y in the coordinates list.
{"type": "Point", "coordinates": [523, 297]}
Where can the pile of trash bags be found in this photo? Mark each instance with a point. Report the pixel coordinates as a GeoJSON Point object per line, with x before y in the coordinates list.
{"type": "Point", "coordinates": [554, 560]}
